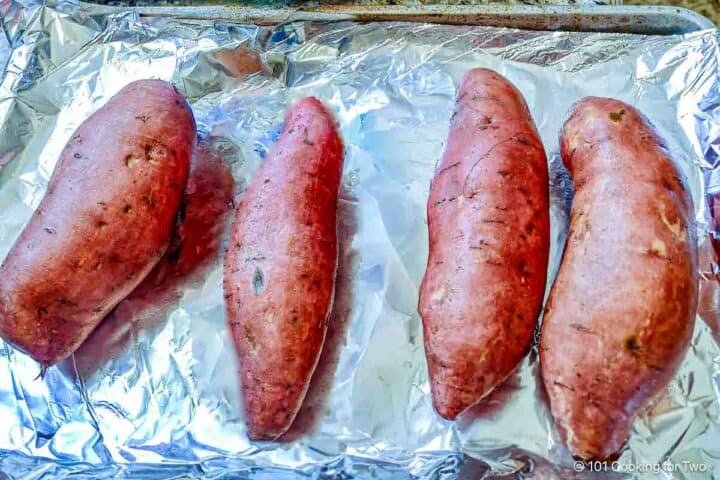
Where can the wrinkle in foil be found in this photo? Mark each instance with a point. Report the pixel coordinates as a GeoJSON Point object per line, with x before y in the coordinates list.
{"type": "Point", "coordinates": [157, 382]}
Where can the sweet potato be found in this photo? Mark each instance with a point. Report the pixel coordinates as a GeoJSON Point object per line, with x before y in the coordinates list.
{"type": "Point", "coordinates": [488, 223]}
{"type": "Point", "coordinates": [105, 221]}
{"type": "Point", "coordinates": [620, 314]}
{"type": "Point", "coordinates": [280, 267]}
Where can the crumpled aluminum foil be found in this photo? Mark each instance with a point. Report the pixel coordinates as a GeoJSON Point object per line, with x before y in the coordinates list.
{"type": "Point", "coordinates": [157, 384]}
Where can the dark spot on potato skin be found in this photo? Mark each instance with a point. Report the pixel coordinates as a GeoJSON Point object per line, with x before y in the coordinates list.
{"type": "Point", "coordinates": [523, 268]}
{"type": "Point", "coordinates": [258, 281]}
{"type": "Point", "coordinates": [616, 116]}
{"type": "Point", "coordinates": [65, 302]}
{"type": "Point", "coordinates": [50, 230]}
{"type": "Point", "coordinates": [632, 344]}
{"type": "Point", "coordinates": [127, 208]}
{"type": "Point", "coordinates": [440, 202]}
{"type": "Point", "coordinates": [581, 328]}
{"type": "Point", "coordinates": [656, 253]}
{"type": "Point", "coordinates": [252, 341]}
{"type": "Point", "coordinates": [481, 243]}
{"type": "Point", "coordinates": [487, 122]}
{"type": "Point", "coordinates": [77, 155]}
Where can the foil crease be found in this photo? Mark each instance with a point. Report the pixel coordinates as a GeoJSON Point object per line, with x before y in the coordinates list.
{"type": "Point", "coordinates": [154, 392]}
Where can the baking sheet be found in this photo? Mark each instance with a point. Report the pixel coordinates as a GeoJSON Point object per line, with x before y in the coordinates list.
{"type": "Point", "coordinates": [157, 383]}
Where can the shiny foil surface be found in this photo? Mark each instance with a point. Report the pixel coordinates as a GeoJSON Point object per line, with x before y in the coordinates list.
{"type": "Point", "coordinates": [154, 392]}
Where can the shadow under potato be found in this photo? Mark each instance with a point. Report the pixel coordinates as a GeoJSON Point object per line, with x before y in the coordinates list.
{"type": "Point", "coordinates": [493, 404]}
{"type": "Point", "coordinates": [195, 246]}
{"type": "Point", "coordinates": [312, 409]}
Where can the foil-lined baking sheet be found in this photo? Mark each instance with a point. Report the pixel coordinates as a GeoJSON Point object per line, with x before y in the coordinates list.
{"type": "Point", "coordinates": [154, 392]}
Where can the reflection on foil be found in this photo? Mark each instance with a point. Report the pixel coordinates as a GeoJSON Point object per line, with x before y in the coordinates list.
{"type": "Point", "coordinates": [157, 382]}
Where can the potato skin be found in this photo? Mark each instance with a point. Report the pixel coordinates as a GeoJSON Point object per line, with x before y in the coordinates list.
{"type": "Point", "coordinates": [105, 221]}
{"type": "Point", "coordinates": [621, 311]}
{"type": "Point", "coordinates": [489, 228]}
{"type": "Point", "coordinates": [280, 267]}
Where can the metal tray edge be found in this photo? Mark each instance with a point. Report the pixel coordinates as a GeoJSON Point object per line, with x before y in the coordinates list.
{"type": "Point", "coordinates": [658, 20]}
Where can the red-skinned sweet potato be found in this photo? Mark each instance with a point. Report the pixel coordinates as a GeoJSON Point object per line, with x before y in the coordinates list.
{"type": "Point", "coordinates": [280, 267]}
{"type": "Point", "coordinates": [105, 221]}
{"type": "Point", "coordinates": [621, 311]}
{"type": "Point", "coordinates": [488, 222]}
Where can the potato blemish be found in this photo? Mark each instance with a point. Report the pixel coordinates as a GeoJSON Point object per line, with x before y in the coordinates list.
{"type": "Point", "coordinates": [131, 160]}
{"type": "Point", "coordinates": [674, 227]}
{"type": "Point", "coordinates": [155, 154]}
{"type": "Point", "coordinates": [632, 344]}
{"type": "Point", "coordinates": [616, 116]}
{"type": "Point", "coordinates": [258, 282]}
{"type": "Point", "coordinates": [439, 294]}
{"type": "Point", "coordinates": [657, 249]}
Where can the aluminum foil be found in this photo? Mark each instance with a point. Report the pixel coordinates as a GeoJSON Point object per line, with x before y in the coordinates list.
{"type": "Point", "coordinates": [156, 385]}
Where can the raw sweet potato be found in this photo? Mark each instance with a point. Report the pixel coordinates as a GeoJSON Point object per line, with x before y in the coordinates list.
{"type": "Point", "coordinates": [280, 267]}
{"type": "Point", "coordinates": [488, 222]}
{"type": "Point", "coordinates": [105, 221]}
{"type": "Point", "coordinates": [621, 311]}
